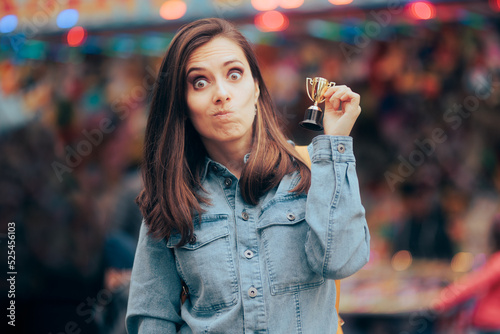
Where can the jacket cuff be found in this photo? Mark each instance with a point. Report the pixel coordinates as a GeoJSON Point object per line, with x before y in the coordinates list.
{"type": "Point", "coordinates": [332, 148]}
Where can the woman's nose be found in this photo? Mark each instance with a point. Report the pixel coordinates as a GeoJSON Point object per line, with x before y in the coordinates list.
{"type": "Point", "coordinates": [221, 93]}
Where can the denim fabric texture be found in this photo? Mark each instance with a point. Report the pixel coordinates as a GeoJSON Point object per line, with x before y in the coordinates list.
{"type": "Point", "coordinates": [268, 268]}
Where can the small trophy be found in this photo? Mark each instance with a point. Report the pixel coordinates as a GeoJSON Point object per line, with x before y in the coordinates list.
{"type": "Point", "coordinates": [314, 114]}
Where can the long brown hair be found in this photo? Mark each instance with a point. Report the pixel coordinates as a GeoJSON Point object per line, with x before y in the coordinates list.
{"type": "Point", "coordinates": [173, 151]}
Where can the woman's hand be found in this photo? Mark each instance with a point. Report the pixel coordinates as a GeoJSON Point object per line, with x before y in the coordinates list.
{"type": "Point", "coordinates": [339, 121]}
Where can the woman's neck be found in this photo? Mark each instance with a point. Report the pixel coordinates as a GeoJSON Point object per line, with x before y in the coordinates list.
{"type": "Point", "coordinates": [229, 154]}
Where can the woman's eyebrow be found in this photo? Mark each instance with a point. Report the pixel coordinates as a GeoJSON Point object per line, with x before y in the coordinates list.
{"type": "Point", "coordinates": [232, 61]}
{"type": "Point", "coordinates": [196, 68]}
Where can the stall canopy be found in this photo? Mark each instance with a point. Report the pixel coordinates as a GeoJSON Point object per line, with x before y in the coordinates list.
{"type": "Point", "coordinates": [35, 17]}
{"type": "Point", "coordinates": [61, 29]}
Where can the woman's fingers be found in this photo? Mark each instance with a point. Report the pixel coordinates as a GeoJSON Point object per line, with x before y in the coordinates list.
{"type": "Point", "coordinates": [336, 95]}
{"type": "Point", "coordinates": [351, 100]}
{"type": "Point", "coordinates": [333, 95]}
{"type": "Point", "coordinates": [341, 110]}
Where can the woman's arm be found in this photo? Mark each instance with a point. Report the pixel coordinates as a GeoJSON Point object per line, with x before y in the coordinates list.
{"type": "Point", "coordinates": [338, 242]}
{"type": "Point", "coordinates": [155, 288]}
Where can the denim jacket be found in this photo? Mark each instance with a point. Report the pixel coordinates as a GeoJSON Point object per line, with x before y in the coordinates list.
{"type": "Point", "coordinates": [267, 268]}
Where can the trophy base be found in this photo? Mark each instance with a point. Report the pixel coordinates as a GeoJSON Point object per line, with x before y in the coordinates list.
{"type": "Point", "coordinates": [312, 119]}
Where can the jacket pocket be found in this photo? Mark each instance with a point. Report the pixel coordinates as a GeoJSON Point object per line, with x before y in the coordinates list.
{"type": "Point", "coordinates": [284, 231]}
{"type": "Point", "coordinates": [206, 265]}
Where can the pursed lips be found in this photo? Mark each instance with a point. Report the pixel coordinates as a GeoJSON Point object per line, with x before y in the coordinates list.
{"type": "Point", "coordinates": [222, 113]}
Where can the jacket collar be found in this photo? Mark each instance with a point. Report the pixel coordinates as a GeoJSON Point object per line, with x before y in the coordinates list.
{"type": "Point", "coordinates": [215, 167]}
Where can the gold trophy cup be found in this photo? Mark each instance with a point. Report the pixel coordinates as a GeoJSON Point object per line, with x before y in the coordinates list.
{"type": "Point", "coordinates": [314, 114]}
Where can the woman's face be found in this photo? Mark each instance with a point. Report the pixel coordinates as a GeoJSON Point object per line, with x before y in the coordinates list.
{"type": "Point", "coordinates": [221, 92]}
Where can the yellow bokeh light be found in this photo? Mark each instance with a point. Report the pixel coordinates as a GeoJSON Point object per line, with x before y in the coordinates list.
{"type": "Point", "coordinates": [173, 9]}
{"type": "Point", "coordinates": [401, 260]}
{"type": "Point", "coordinates": [462, 262]}
{"type": "Point", "coordinates": [289, 4]}
{"type": "Point", "coordinates": [340, 2]}
{"type": "Point", "coordinates": [264, 5]}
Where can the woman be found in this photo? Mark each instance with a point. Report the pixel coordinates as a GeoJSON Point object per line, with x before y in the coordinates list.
{"type": "Point", "coordinates": [483, 284]}
{"type": "Point", "coordinates": [230, 208]}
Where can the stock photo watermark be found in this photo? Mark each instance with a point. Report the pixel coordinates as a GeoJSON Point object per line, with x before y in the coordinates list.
{"type": "Point", "coordinates": [89, 309]}
{"type": "Point", "coordinates": [453, 117]}
{"type": "Point", "coordinates": [379, 20]}
{"type": "Point", "coordinates": [420, 320]}
{"type": "Point", "coordinates": [11, 273]}
{"type": "Point", "coordinates": [224, 6]}
{"type": "Point", "coordinates": [45, 13]}
{"type": "Point", "coordinates": [93, 138]}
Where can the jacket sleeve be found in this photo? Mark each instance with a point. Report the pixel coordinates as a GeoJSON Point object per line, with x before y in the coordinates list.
{"type": "Point", "coordinates": [338, 241]}
{"type": "Point", "coordinates": [155, 288]}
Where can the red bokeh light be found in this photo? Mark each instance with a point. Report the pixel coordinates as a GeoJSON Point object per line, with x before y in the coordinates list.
{"type": "Point", "coordinates": [76, 36]}
{"type": "Point", "coordinates": [422, 10]}
{"type": "Point", "coordinates": [271, 21]}
{"type": "Point", "coordinates": [495, 5]}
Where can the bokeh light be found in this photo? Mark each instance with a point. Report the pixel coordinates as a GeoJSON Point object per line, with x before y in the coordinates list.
{"type": "Point", "coordinates": [290, 4]}
{"type": "Point", "coordinates": [340, 2]}
{"type": "Point", "coordinates": [462, 262]}
{"type": "Point", "coordinates": [401, 260]}
{"type": "Point", "coordinates": [67, 18]}
{"type": "Point", "coordinates": [76, 36]}
{"type": "Point", "coordinates": [495, 5]}
{"type": "Point", "coordinates": [271, 21]}
{"type": "Point", "coordinates": [422, 10]}
{"type": "Point", "coordinates": [173, 9]}
{"type": "Point", "coordinates": [264, 5]}
{"type": "Point", "coordinates": [8, 24]}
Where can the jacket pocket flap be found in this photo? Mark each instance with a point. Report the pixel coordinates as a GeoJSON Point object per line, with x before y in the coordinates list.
{"type": "Point", "coordinates": [284, 212]}
{"type": "Point", "coordinates": [212, 227]}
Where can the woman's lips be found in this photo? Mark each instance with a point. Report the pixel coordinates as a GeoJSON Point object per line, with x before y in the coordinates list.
{"type": "Point", "coordinates": [223, 114]}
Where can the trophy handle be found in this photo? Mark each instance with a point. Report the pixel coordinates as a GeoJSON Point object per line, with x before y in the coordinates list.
{"type": "Point", "coordinates": [331, 84]}
{"type": "Point", "coordinates": [309, 81]}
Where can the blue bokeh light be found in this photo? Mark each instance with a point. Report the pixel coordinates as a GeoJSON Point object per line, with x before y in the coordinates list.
{"type": "Point", "coordinates": [8, 24]}
{"type": "Point", "coordinates": [67, 18]}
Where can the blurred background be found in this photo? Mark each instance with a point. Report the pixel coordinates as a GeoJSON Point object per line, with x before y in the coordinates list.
{"type": "Point", "coordinates": [75, 83]}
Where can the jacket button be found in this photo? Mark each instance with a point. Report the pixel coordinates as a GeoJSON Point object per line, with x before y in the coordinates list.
{"type": "Point", "coordinates": [290, 216]}
{"type": "Point", "coordinates": [244, 215]}
{"type": "Point", "coordinates": [252, 292]}
{"type": "Point", "coordinates": [341, 148]}
{"type": "Point", "coordinates": [228, 182]}
{"type": "Point", "coordinates": [248, 254]}
{"type": "Point", "coordinates": [192, 241]}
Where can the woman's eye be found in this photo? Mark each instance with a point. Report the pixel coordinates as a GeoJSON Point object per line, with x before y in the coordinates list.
{"type": "Point", "coordinates": [201, 83]}
{"type": "Point", "coordinates": [235, 75]}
